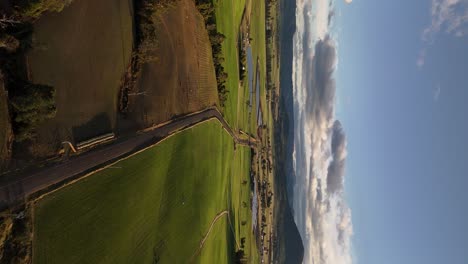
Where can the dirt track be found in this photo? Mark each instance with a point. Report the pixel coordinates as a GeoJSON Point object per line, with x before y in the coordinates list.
{"type": "Point", "coordinates": [202, 242]}
{"type": "Point", "coordinates": [78, 166]}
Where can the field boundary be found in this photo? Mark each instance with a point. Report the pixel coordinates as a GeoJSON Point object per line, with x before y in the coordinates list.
{"type": "Point", "coordinates": [119, 159]}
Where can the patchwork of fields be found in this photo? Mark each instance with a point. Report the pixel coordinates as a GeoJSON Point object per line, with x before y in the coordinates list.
{"type": "Point", "coordinates": [157, 204]}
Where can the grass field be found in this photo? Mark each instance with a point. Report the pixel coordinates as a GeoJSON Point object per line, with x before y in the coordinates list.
{"type": "Point", "coordinates": [157, 204]}
{"type": "Point", "coordinates": [226, 233]}
{"type": "Point", "coordinates": [182, 80]}
{"type": "Point", "coordinates": [229, 14]}
{"type": "Point", "coordinates": [83, 52]}
{"type": "Point", "coordinates": [5, 127]}
{"type": "Point", "coordinates": [257, 32]}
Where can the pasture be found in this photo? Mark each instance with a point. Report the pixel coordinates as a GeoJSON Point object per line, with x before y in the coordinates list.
{"type": "Point", "coordinates": [153, 206]}
{"type": "Point", "coordinates": [83, 52]}
{"type": "Point", "coordinates": [257, 32]}
{"type": "Point", "coordinates": [229, 15]}
{"type": "Point", "coordinates": [182, 79]}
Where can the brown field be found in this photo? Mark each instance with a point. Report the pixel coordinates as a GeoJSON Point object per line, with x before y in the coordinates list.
{"type": "Point", "coordinates": [182, 80]}
{"type": "Point", "coordinates": [5, 127]}
{"type": "Point", "coordinates": [83, 52]}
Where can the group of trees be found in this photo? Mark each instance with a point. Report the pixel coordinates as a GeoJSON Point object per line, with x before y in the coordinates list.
{"type": "Point", "coordinates": [206, 9]}
{"type": "Point", "coordinates": [242, 63]}
{"type": "Point", "coordinates": [30, 104]}
{"type": "Point", "coordinates": [240, 257]}
{"type": "Point", "coordinates": [147, 40]}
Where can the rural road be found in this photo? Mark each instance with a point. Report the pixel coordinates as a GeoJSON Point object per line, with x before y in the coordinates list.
{"type": "Point", "coordinates": [25, 185]}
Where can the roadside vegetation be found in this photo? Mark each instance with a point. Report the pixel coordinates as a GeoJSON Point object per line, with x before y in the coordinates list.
{"type": "Point", "coordinates": [15, 236]}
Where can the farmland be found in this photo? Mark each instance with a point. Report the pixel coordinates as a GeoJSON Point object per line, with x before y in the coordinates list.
{"type": "Point", "coordinates": [195, 196]}
{"type": "Point", "coordinates": [160, 211]}
{"type": "Point", "coordinates": [229, 14]}
{"type": "Point", "coordinates": [182, 79]}
{"type": "Point", "coordinates": [82, 51]}
{"type": "Point", "coordinates": [5, 127]}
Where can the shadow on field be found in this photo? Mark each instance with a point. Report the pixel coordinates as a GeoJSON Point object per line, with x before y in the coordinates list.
{"type": "Point", "coordinates": [98, 125]}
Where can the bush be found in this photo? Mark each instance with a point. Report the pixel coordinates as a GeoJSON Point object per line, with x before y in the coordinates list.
{"type": "Point", "coordinates": [240, 257]}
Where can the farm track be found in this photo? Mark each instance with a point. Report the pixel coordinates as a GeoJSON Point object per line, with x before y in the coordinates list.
{"type": "Point", "coordinates": [79, 166]}
{"type": "Point", "coordinates": [205, 237]}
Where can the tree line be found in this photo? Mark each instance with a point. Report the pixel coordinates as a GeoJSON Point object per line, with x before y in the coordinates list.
{"type": "Point", "coordinates": [207, 10]}
{"type": "Point", "coordinates": [146, 44]}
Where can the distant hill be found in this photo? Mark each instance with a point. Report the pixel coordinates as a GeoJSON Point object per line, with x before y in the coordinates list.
{"type": "Point", "coordinates": [289, 246]}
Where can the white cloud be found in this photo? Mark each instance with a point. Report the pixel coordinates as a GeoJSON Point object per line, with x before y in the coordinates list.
{"type": "Point", "coordinates": [449, 16]}
{"type": "Point", "coordinates": [320, 211]}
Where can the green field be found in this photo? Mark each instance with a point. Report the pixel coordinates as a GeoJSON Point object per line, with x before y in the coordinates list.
{"type": "Point", "coordinates": [229, 14]}
{"type": "Point", "coordinates": [257, 32]}
{"type": "Point", "coordinates": [157, 204]}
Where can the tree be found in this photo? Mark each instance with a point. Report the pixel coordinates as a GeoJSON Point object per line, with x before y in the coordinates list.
{"type": "Point", "coordinates": [217, 38]}
{"type": "Point", "coordinates": [34, 105]}
{"type": "Point", "coordinates": [211, 27]}
{"type": "Point", "coordinates": [240, 257]}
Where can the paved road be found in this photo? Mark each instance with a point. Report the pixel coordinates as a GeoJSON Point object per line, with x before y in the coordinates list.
{"type": "Point", "coordinates": [25, 185]}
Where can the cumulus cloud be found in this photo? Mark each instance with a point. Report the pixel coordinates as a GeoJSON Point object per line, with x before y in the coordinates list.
{"type": "Point", "coordinates": [336, 169]}
{"type": "Point", "coordinates": [450, 16]}
{"type": "Point", "coordinates": [320, 211]}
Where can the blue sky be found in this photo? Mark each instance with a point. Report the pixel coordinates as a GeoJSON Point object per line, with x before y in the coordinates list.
{"type": "Point", "coordinates": [402, 93]}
